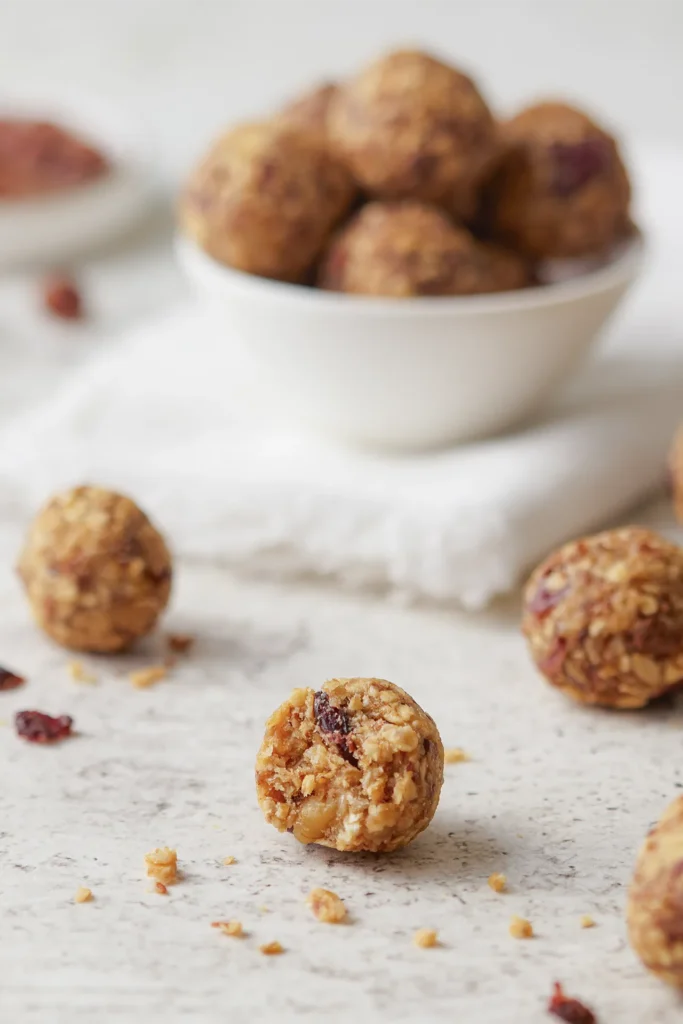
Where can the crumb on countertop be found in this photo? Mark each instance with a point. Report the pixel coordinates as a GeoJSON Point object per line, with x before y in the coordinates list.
{"type": "Point", "coordinates": [162, 864]}
{"type": "Point", "coordinates": [498, 882]}
{"type": "Point", "coordinates": [83, 895]}
{"type": "Point", "coordinates": [180, 643]}
{"type": "Point", "coordinates": [145, 677]}
{"type": "Point", "coordinates": [79, 673]}
{"type": "Point", "coordinates": [229, 860]}
{"type": "Point", "coordinates": [271, 949]}
{"type": "Point", "coordinates": [520, 928]}
{"type": "Point", "coordinates": [326, 906]}
{"type": "Point", "coordinates": [455, 755]}
{"type": "Point", "coordinates": [233, 928]}
{"type": "Point", "coordinates": [425, 938]}
{"type": "Point", "coordinates": [587, 921]}
{"type": "Point", "coordinates": [62, 297]}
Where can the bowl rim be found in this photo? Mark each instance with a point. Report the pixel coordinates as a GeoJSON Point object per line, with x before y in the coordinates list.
{"type": "Point", "coordinates": [621, 269]}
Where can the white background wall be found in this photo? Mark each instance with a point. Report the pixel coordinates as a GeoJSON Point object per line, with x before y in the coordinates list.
{"type": "Point", "coordinates": [187, 66]}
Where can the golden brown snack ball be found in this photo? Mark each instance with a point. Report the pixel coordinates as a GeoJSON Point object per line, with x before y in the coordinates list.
{"type": "Point", "coordinates": [356, 766]}
{"type": "Point", "coordinates": [265, 199]}
{"type": "Point", "coordinates": [562, 191]}
{"type": "Point", "coordinates": [309, 111]}
{"type": "Point", "coordinates": [408, 248]}
{"type": "Point", "coordinates": [603, 617]}
{"type": "Point", "coordinates": [96, 571]}
{"type": "Point", "coordinates": [676, 473]}
{"type": "Point", "coordinates": [411, 126]}
{"type": "Point", "coordinates": [655, 901]}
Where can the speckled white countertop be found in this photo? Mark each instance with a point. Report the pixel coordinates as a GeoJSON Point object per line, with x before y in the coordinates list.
{"type": "Point", "coordinates": [555, 796]}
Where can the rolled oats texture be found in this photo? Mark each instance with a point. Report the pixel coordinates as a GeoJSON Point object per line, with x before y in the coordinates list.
{"type": "Point", "coordinates": [603, 617]}
{"type": "Point", "coordinates": [356, 765]}
{"type": "Point", "coordinates": [96, 571]}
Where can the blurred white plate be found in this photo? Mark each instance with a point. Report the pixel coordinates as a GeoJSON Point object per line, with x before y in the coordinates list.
{"type": "Point", "coordinates": [50, 228]}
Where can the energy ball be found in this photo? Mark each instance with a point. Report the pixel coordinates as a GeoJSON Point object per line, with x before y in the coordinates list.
{"type": "Point", "coordinates": [676, 474]}
{"type": "Point", "coordinates": [265, 200]}
{"type": "Point", "coordinates": [356, 766]}
{"type": "Point", "coordinates": [655, 899]}
{"type": "Point", "coordinates": [412, 126]}
{"type": "Point", "coordinates": [562, 190]}
{"type": "Point", "coordinates": [310, 110]}
{"type": "Point", "coordinates": [407, 248]}
{"type": "Point", "coordinates": [603, 617]}
{"type": "Point", "coordinates": [97, 573]}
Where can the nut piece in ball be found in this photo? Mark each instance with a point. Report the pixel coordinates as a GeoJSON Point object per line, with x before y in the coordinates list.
{"type": "Point", "coordinates": [97, 573]}
{"type": "Point", "coordinates": [357, 765]}
{"type": "Point", "coordinates": [265, 199]}
{"type": "Point", "coordinates": [411, 126]}
{"type": "Point", "coordinates": [676, 474]}
{"type": "Point", "coordinates": [408, 248]}
{"type": "Point", "coordinates": [562, 190]}
{"type": "Point", "coordinates": [655, 903]}
{"type": "Point", "coordinates": [603, 617]}
{"type": "Point", "coordinates": [309, 111]}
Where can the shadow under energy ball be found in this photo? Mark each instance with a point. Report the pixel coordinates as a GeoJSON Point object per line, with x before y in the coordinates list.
{"type": "Point", "coordinates": [356, 766]}
{"type": "Point", "coordinates": [96, 571]}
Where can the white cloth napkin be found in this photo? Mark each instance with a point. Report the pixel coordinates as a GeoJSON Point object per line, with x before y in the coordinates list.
{"type": "Point", "coordinates": [161, 416]}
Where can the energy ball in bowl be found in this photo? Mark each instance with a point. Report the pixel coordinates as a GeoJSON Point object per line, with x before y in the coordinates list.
{"type": "Point", "coordinates": [356, 766]}
{"type": "Point", "coordinates": [562, 191]}
{"type": "Point", "coordinates": [96, 571]}
{"type": "Point", "coordinates": [407, 248]}
{"type": "Point", "coordinates": [655, 898]}
{"type": "Point", "coordinates": [412, 126]}
{"type": "Point", "coordinates": [265, 199]}
{"type": "Point", "coordinates": [310, 110]}
{"type": "Point", "coordinates": [603, 617]}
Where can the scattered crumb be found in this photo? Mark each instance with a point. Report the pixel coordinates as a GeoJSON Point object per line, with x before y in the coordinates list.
{"type": "Point", "coordinates": [145, 677]}
{"type": "Point", "coordinates": [264, 909]}
{"type": "Point", "coordinates": [425, 938]}
{"type": "Point", "coordinates": [162, 864]}
{"type": "Point", "coordinates": [180, 643]}
{"type": "Point", "coordinates": [229, 860]}
{"type": "Point", "coordinates": [498, 882]}
{"type": "Point", "coordinates": [587, 921]}
{"type": "Point", "coordinates": [520, 928]}
{"type": "Point", "coordinates": [326, 906]}
{"type": "Point", "coordinates": [233, 928]}
{"type": "Point", "coordinates": [62, 297]}
{"type": "Point", "coordinates": [455, 755]}
{"type": "Point", "coordinates": [271, 949]}
{"type": "Point", "coordinates": [160, 888]}
{"type": "Point", "coordinates": [83, 895]}
{"type": "Point", "coordinates": [79, 673]}
{"type": "Point", "coordinates": [10, 680]}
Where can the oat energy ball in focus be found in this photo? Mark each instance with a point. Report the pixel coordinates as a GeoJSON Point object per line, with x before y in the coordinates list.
{"type": "Point", "coordinates": [309, 111]}
{"type": "Point", "coordinates": [655, 898]}
{"type": "Point", "coordinates": [603, 617]}
{"type": "Point", "coordinates": [96, 571]}
{"type": "Point", "coordinates": [265, 199]}
{"type": "Point", "coordinates": [412, 126]}
{"type": "Point", "coordinates": [562, 190]}
{"type": "Point", "coordinates": [355, 766]}
{"type": "Point", "coordinates": [406, 248]}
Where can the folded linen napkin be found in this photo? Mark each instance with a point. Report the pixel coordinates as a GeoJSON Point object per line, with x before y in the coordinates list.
{"type": "Point", "coordinates": [161, 417]}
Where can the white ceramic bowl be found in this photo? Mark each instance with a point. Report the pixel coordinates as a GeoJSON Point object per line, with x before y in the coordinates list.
{"type": "Point", "coordinates": [410, 373]}
{"type": "Point", "coordinates": [44, 229]}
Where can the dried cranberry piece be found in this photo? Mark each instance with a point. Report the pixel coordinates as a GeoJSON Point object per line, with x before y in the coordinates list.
{"type": "Point", "coordinates": [569, 1010]}
{"type": "Point", "coordinates": [576, 163]}
{"type": "Point", "coordinates": [62, 297]}
{"type": "Point", "coordinates": [554, 659]}
{"type": "Point", "coordinates": [37, 727]}
{"type": "Point", "coordinates": [10, 680]}
{"type": "Point", "coordinates": [335, 724]}
{"type": "Point", "coordinates": [544, 600]}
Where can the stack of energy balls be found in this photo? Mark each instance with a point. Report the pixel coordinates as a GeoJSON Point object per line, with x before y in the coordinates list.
{"type": "Point", "coordinates": [401, 182]}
